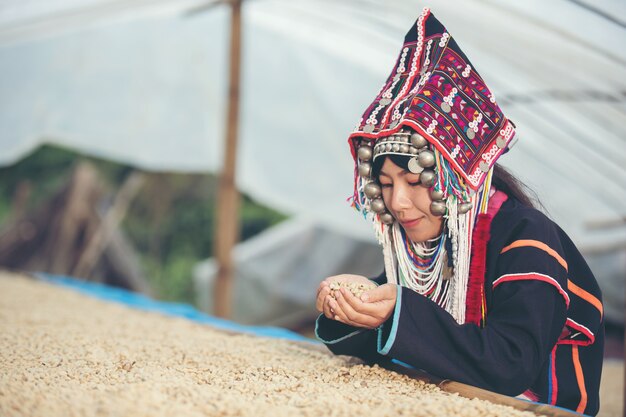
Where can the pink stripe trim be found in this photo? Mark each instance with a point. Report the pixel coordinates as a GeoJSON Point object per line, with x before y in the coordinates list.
{"type": "Point", "coordinates": [532, 276]}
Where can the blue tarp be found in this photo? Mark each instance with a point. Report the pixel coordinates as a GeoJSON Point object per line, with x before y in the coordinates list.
{"type": "Point", "coordinates": [141, 302]}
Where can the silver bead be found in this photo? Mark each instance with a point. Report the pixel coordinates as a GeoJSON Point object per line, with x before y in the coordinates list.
{"type": "Point", "coordinates": [388, 147]}
{"type": "Point", "coordinates": [365, 169]}
{"type": "Point", "coordinates": [372, 190]}
{"type": "Point", "coordinates": [465, 207]}
{"type": "Point", "coordinates": [377, 205]}
{"type": "Point", "coordinates": [365, 153]}
{"type": "Point", "coordinates": [395, 147]}
{"type": "Point", "coordinates": [412, 150]}
{"type": "Point", "coordinates": [438, 208]}
{"type": "Point", "coordinates": [427, 178]}
{"type": "Point", "coordinates": [426, 159]}
{"type": "Point", "coordinates": [386, 218]}
{"type": "Point", "coordinates": [436, 194]}
{"type": "Point", "coordinates": [418, 140]}
{"type": "Point", "coordinates": [404, 148]}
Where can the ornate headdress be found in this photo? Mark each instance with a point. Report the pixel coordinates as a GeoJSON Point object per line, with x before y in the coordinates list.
{"type": "Point", "coordinates": [436, 109]}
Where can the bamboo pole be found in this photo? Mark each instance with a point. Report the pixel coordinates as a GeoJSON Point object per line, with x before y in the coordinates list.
{"type": "Point", "coordinates": [227, 230]}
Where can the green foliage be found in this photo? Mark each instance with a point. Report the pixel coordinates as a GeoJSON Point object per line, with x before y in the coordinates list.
{"type": "Point", "coordinates": [170, 222]}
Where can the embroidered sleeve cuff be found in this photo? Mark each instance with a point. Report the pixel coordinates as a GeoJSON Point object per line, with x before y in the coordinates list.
{"type": "Point", "coordinates": [388, 331]}
{"type": "Point", "coordinates": [331, 331]}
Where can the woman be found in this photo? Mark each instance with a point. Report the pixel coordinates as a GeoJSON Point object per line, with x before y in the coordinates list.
{"type": "Point", "coordinates": [479, 286]}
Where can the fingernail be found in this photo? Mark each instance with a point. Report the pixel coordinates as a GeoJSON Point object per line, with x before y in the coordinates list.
{"type": "Point", "coordinates": [337, 318]}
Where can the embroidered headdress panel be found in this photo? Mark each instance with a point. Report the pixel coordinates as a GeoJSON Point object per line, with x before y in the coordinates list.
{"type": "Point", "coordinates": [435, 90]}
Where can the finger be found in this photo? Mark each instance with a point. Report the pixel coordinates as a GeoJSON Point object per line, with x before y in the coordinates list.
{"type": "Point", "coordinates": [357, 305]}
{"type": "Point", "coordinates": [328, 310]}
{"type": "Point", "coordinates": [349, 315]}
{"type": "Point", "coordinates": [383, 292]}
{"type": "Point", "coordinates": [322, 285]}
{"type": "Point", "coordinates": [321, 295]}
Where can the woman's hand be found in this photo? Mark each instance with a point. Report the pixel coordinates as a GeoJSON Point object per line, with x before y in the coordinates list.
{"type": "Point", "coordinates": [370, 311]}
{"type": "Point", "coordinates": [324, 298]}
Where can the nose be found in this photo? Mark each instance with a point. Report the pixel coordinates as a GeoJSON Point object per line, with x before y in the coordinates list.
{"type": "Point", "coordinates": [400, 199]}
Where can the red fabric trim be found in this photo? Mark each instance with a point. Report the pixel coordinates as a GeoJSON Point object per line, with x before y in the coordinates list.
{"type": "Point", "coordinates": [475, 295]}
{"type": "Point", "coordinates": [529, 395]}
{"type": "Point", "coordinates": [591, 338]}
{"type": "Point", "coordinates": [555, 384]}
{"type": "Point", "coordinates": [476, 279]}
{"type": "Point", "coordinates": [535, 276]}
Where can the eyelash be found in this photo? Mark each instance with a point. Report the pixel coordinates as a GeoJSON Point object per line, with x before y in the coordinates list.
{"type": "Point", "coordinates": [413, 184]}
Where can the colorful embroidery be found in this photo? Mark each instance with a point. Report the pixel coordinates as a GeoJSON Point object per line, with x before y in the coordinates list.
{"type": "Point", "coordinates": [442, 97]}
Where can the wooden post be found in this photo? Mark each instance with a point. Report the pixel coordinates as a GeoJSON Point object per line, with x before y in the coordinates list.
{"type": "Point", "coordinates": [227, 230]}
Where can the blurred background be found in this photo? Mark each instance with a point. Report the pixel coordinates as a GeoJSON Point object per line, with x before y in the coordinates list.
{"type": "Point", "coordinates": [114, 119]}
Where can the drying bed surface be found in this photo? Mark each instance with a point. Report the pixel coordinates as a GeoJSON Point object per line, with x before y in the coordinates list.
{"type": "Point", "coordinates": [63, 353]}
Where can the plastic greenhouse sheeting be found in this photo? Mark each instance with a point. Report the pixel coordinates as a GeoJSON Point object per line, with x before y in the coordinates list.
{"type": "Point", "coordinates": [145, 83]}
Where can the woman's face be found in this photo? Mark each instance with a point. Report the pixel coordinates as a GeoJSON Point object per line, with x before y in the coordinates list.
{"type": "Point", "coordinates": [409, 202]}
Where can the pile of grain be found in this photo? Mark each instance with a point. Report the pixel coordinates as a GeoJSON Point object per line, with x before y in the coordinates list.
{"type": "Point", "coordinates": [66, 354]}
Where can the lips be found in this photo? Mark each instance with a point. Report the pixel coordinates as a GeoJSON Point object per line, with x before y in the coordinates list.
{"type": "Point", "coordinates": [410, 223]}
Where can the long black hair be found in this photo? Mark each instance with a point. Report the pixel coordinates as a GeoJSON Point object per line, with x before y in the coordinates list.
{"type": "Point", "coordinates": [502, 179]}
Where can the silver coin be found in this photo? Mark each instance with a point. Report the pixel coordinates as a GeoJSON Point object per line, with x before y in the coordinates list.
{"type": "Point", "coordinates": [446, 107]}
{"type": "Point", "coordinates": [470, 133]}
{"type": "Point", "coordinates": [501, 142]}
{"type": "Point", "coordinates": [414, 166]}
{"type": "Point", "coordinates": [484, 166]}
{"type": "Point", "coordinates": [368, 128]}
{"type": "Point", "coordinates": [384, 101]}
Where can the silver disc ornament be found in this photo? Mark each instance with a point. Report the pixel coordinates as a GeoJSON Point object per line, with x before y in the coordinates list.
{"type": "Point", "coordinates": [365, 153]}
{"type": "Point", "coordinates": [414, 166]}
{"type": "Point", "coordinates": [365, 169]}
{"type": "Point", "coordinates": [372, 190]}
{"type": "Point", "coordinates": [377, 205]}
{"type": "Point", "coordinates": [418, 140]}
{"type": "Point", "coordinates": [438, 208]}
{"type": "Point", "coordinates": [386, 218]}
{"type": "Point", "coordinates": [427, 178]}
{"type": "Point", "coordinates": [426, 159]}
{"type": "Point", "coordinates": [436, 194]}
{"type": "Point", "coordinates": [465, 207]}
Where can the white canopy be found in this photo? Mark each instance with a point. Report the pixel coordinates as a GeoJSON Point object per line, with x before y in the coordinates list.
{"type": "Point", "coordinates": [144, 83]}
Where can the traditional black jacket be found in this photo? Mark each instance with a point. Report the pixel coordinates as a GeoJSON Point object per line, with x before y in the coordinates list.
{"type": "Point", "coordinates": [544, 331]}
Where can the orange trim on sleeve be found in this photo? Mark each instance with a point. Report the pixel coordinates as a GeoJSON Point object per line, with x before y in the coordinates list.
{"type": "Point", "coordinates": [536, 244]}
{"type": "Point", "coordinates": [586, 296]}
{"type": "Point", "coordinates": [580, 378]}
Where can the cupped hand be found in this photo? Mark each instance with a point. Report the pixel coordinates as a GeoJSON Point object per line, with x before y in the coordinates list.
{"type": "Point", "coordinates": [323, 299]}
{"type": "Point", "coordinates": [370, 311]}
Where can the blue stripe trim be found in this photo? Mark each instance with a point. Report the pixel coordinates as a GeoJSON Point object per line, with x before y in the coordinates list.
{"type": "Point", "coordinates": [394, 326]}
{"type": "Point", "coordinates": [550, 364]}
{"type": "Point", "coordinates": [332, 342]}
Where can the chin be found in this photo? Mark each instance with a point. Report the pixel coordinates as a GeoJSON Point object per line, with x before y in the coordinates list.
{"type": "Point", "coordinates": [420, 236]}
